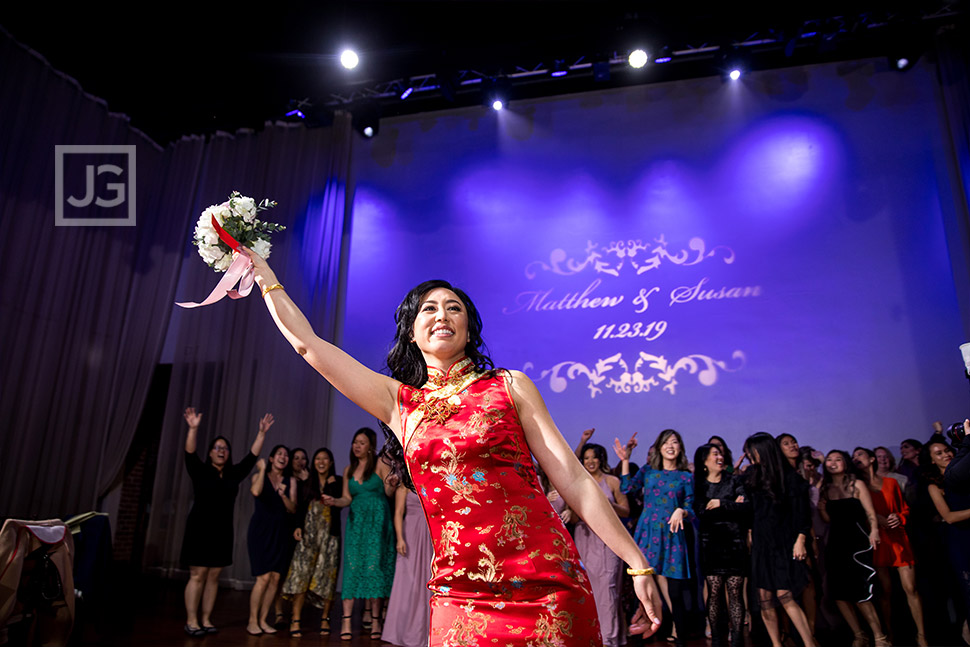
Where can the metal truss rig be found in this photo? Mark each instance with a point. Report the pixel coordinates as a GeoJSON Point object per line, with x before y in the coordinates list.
{"type": "Point", "coordinates": [818, 34]}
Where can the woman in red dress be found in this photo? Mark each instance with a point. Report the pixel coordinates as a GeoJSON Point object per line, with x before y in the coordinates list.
{"type": "Point", "coordinates": [893, 551]}
{"type": "Point", "coordinates": [505, 569]}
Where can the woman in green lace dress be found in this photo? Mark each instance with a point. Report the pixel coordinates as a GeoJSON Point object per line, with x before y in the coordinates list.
{"type": "Point", "coordinates": [369, 540]}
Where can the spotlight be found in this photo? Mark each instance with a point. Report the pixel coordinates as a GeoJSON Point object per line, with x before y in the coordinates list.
{"type": "Point", "coordinates": [497, 93]}
{"type": "Point", "coordinates": [559, 69]}
{"type": "Point", "coordinates": [638, 58]}
{"type": "Point", "coordinates": [366, 118]}
{"type": "Point", "coordinates": [734, 74]}
{"type": "Point", "coordinates": [349, 59]}
{"type": "Point", "coordinates": [903, 60]}
{"type": "Point", "coordinates": [407, 89]}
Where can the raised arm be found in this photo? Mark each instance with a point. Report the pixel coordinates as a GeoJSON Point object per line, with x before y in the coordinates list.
{"type": "Point", "coordinates": [264, 424]}
{"type": "Point", "coordinates": [581, 493]}
{"type": "Point", "coordinates": [371, 391]}
{"type": "Point", "coordinates": [583, 439]}
{"type": "Point", "coordinates": [256, 487]}
{"type": "Point", "coordinates": [191, 438]}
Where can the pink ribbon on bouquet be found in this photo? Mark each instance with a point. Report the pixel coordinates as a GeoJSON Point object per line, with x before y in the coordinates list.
{"type": "Point", "coordinates": [241, 271]}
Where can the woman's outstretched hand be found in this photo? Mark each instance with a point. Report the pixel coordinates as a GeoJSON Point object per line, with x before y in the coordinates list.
{"type": "Point", "coordinates": [192, 418]}
{"type": "Point", "coordinates": [646, 620]}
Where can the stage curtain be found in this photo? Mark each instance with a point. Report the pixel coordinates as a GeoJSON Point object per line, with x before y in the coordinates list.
{"type": "Point", "coordinates": [953, 73]}
{"type": "Point", "coordinates": [85, 309]}
{"type": "Point", "coordinates": [230, 361]}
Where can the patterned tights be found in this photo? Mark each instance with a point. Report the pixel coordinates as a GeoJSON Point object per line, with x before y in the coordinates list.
{"type": "Point", "coordinates": [735, 606]}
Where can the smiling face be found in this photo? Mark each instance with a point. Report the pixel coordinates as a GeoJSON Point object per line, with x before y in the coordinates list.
{"type": "Point", "coordinates": [670, 449]}
{"type": "Point", "coordinates": [219, 454]}
{"type": "Point", "coordinates": [940, 455]}
{"type": "Point", "coordinates": [884, 461]}
{"type": "Point", "coordinates": [835, 464]}
{"type": "Point", "coordinates": [322, 463]}
{"type": "Point", "coordinates": [591, 462]}
{"type": "Point", "coordinates": [299, 460]}
{"type": "Point", "coordinates": [714, 461]}
{"type": "Point", "coordinates": [280, 459]}
{"type": "Point", "coordinates": [441, 328]}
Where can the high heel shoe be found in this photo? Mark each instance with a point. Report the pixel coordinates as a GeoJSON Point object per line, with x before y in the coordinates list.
{"type": "Point", "coordinates": [882, 641]}
{"type": "Point", "coordinates": [346, 635]}
{"type": "Point", "coordinates": [860, 640]}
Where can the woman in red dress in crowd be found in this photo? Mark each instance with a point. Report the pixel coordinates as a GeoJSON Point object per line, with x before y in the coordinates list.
{"type": "Point", "coordinates": [505, 570]}
{"type": "Point", "coordinates": [893, 550]}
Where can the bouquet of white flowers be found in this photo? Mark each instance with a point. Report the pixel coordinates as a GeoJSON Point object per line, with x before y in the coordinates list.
{"type": "Point", "coordinates": [237, 218]}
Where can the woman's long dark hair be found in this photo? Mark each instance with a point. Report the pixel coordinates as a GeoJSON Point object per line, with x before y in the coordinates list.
{"type": "Point", "coordinates": [768, 474]}
{"type": "Point", "coordinates": [850, 476]}
{"type": "Point", "coordinates": [725, 452]}
{"type": "Point", "coordinates": [314, 488]}
{"type": "Point", "coordinates": [288, 470]}
{"type": "Point", "coordinates": [405, 361]}
{"type": "Point", "coordinates": [927, 470]}
{"type": "Point", "coordinates": [657, 462]}
{"type": "Point", "coordinates": [700, 476]}
{"type": "Point", "coordinates": [372, 462]}
{"type": "Point", "coordinates": [406, 364]}
{"type": "Point", "coordinates": [599, 452]}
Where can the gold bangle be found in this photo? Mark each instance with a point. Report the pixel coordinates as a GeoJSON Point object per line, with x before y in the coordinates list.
{"type": "Point", "coordinates": [275, 286]}
{"type": "Point", "coordinates": [640, 571]}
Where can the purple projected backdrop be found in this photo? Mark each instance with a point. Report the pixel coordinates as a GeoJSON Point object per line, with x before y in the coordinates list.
{"type": "Point", "coordinates": [716, 258]}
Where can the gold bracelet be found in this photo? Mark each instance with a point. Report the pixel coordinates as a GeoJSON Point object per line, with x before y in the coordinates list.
{"type": "Point", "coordinates": [640, 571]}
{"type": "Point", "coordinates": [275, 286]}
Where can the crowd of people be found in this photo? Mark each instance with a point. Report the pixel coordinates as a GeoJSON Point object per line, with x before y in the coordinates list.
{"type": "Point", "coordinates": [821, 537]}
{"type": "Point", "coordinates": [784, 527]}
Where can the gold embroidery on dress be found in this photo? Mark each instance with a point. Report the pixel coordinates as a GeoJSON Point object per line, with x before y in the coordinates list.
{"type": "Point", "coordinates": [512, 527]}
{"type": "Point", "coordinates": [465, 629]}
{"type": "Point", "coordinates": [452, 472]}
{"type": "Point", "coordinates": [449, 539]}
{"type": "Point", "coordinates": [551, 629]}
{"type": "Point", "coordinates": [489, 567]}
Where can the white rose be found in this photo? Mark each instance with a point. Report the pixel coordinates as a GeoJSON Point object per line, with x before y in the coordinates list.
{"type": "Point", "coordinates": [222, 212]}
{"type": "Point", "coordinates": [245, 207]}
{"type": "Point", "coordinates": [223, 263]}
{"type": "Point", "coordinates": [262, 247]}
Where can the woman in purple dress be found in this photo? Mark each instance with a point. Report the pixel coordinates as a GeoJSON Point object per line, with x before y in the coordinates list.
{"type": "Point", "coordinates": [601, 563]}
{"type": "Point", "coordinates": [410, 602]}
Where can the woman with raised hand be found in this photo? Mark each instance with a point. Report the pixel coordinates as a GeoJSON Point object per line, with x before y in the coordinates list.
{"type": "Point", "coordinates": [207, 543]}
{"type": "Point", "coordinates": [368, 543]}
{"type": "Point", "coordinates": [469, 431]}
{"type": "Point", "coordinates": [668, 499]}
{"type": "Point", "coordinates": [846, 505]}
{"type": "Point", "coordinates": [269, 534]}
{"type": "Point", "coordinates": [781, 524]}
{"type": "Point", "coordinates": [313, 570]}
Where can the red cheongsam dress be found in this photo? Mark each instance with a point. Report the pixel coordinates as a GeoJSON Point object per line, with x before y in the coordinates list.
{"type": "Point", "coordinates": [505, 572]}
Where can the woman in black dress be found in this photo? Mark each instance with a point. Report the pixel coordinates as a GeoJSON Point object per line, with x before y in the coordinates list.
{"type": "Point", "coordinates": [780, 527]}
{"type": "Point", "coordinates": [724, 515]}
{"type": "Point", "coordinates": [846, 505]}
{"type": "Point", "coordinates": [270, 534]}
{"type": "Point", "coordinates": [207, 543]}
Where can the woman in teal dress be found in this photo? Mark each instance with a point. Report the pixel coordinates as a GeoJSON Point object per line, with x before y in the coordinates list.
{"type": "Point", "coordinates": [668, 501]}
{"type": "Point", "coordinates": [369, 540]}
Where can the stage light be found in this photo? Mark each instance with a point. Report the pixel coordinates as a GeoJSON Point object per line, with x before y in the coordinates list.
{"type": "Point", "coordinates": [734, 74]}
{"type": "Point", "coordinates": [407, 88]}
{"type": "Point", "coordinates": [497, 92]}
{"type": "Point", "coordinates": [366, 118]}
{"type": "Point", "coordinates": [638, 58]}
{"type": "Point", "coordinates": [663, 59]}
{"type": "Point", "coordinates": [296, 113]}
{"type": "Point", "coordinates": [349, 59]}
{"type": "Point", "coordinates": [559, 69]}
